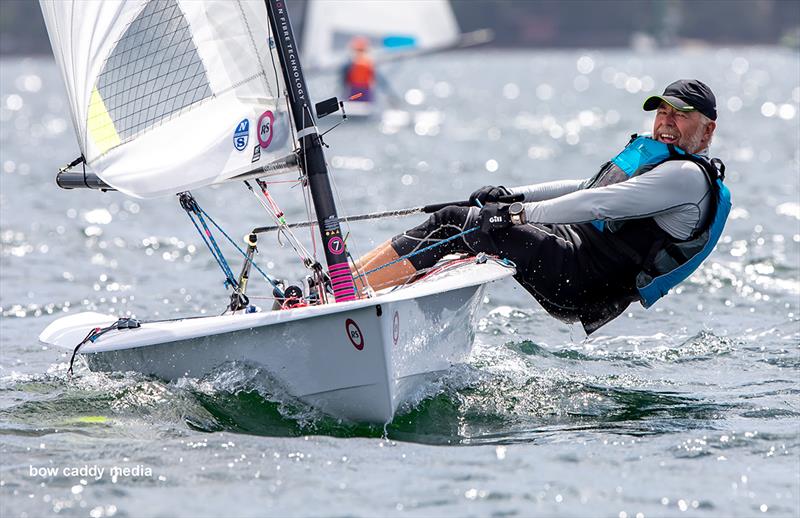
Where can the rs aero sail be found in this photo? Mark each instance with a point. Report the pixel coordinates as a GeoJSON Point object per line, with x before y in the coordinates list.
{"type": "Point", "coordinates": [167, 96]}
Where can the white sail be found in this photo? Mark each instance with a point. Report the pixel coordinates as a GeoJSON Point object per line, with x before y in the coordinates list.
{"type": "Point", "coordinates": [169, 95]}
{"type": "Point", "coordinates": [390, 25]}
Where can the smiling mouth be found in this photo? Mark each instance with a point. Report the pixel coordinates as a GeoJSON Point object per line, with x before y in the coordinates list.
{"type": "Point", "coordinates": [667, 137]}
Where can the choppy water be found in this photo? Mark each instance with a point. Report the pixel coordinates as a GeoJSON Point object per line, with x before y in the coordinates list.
{"type": "Point", "coordinates": [689, 408]}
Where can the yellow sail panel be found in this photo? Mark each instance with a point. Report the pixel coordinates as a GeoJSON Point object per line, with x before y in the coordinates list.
{"type": "Point", "coordinates": [100, 126]}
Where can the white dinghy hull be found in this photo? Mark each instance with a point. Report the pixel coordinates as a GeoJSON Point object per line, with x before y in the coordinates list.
{"type": "Point", "coordinates": [358, 361]}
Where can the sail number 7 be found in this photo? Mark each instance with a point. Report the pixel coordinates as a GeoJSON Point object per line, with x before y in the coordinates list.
{"type": "Point", "coordinates": [336, 245]}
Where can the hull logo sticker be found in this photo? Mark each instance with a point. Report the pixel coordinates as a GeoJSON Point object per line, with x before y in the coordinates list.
{"type": "Point", "coordinates": [256, 154]}
{"type": "Point", "coordinates": [266, 124]}
{"type": "Point", "coordinates": [241, 135]}
{"type": "Point", "coordinates": [396, 327]}
{"type": "Point", "coordinates": [354, 334]}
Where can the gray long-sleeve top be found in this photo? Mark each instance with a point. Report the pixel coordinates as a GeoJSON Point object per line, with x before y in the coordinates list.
{"type": "Point", "coordinates": [676, 194]}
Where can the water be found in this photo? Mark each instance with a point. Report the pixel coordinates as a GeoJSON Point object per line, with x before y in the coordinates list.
{"type": "Point", "coordinates": [689, 408]}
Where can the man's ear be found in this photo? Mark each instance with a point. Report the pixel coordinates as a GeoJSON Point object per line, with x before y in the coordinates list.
{"type": "Point", "coordinates": [710, 127]}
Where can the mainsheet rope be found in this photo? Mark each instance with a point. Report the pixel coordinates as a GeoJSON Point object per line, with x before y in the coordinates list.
{"type": "Point", "coordinates": [429, 247]}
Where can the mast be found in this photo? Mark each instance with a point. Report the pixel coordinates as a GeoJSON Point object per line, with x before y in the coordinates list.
{"type": "Point", "coordinates": [312, 158]}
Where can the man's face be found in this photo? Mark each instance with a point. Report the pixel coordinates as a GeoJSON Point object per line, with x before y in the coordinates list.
{"type": "Point", "coordinates": [687, 130]}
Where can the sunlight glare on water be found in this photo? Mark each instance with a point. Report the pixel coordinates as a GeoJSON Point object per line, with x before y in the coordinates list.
{"type": "Point", "coordinates": [687, 408]}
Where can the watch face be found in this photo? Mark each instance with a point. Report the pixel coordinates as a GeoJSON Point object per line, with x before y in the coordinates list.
{"type": "Point", "coordinates": [517, 213]}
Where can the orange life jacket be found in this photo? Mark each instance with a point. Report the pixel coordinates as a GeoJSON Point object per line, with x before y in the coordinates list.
{"type": "Point", "coordinates": [361, 73]}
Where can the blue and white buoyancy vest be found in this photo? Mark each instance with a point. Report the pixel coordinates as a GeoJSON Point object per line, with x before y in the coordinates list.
{"type": "Point", "coordinates": [672, 261]}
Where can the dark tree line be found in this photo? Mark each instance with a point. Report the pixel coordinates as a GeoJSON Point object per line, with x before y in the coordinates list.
{"type": "Point", "coordinates": [542, 23]}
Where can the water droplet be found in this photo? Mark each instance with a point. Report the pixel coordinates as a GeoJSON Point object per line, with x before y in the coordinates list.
{"type": "Point", "coordinates": [14, 102]}
{"type": "Point", "coordinates": [585, 64]}
{"type": "Point", "coordinates": [734, 104]}
{"type": "Point", "coordinates": [544, 92]}
{"type": "Point", "coordinates": [415, 97]}
{"type": "Point", "coordinates": [510, 91]}
{"type": "Point", "coordinates": [786, 111]}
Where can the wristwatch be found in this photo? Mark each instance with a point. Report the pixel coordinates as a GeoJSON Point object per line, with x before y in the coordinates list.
{"type": "Point", "coordinates": [516, 213]}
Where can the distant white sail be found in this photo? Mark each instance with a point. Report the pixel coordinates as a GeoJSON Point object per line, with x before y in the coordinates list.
{"type": "Point", "coordinates": [169, 95]}
{"type": "Point", "coordinates": [389, 25]}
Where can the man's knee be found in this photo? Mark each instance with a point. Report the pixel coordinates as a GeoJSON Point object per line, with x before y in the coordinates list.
{"type": "Point", "coordinates": [452, 215]}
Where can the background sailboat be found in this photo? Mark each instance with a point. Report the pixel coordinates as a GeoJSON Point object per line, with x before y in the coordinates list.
{"type": "Point", "coordinates": [177, 94]}
{"type": "Point", "coordinates": [393, 31]}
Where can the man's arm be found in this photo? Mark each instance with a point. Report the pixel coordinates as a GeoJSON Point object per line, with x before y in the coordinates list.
{"type": "Point", "coordinates": [549, 190]}
{"type": "Point", "coordinates": [676, 193]}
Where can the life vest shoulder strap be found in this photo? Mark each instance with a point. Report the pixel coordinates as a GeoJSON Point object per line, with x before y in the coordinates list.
{"type": "Point", "coordinates": [714, 172]}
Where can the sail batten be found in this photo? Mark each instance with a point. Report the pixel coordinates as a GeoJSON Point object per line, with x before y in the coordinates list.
{"type": "Point", "coordinates": [168, 95]}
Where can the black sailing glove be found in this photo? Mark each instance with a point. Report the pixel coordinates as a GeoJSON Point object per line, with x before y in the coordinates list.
{"type": "Point", "coordinates": [494, 216]}
{"type": "Point", "coordinates": [488, 194]}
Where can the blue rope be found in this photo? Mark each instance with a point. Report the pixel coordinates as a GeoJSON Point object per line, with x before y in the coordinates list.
{"type": "Point", "coordinates": [429, 247]}
{"type": "Point", "coordinates": [215, 251]}
{"type": "Point", "coordinates": [226, 267]}
{"type": "Point", "coordinates": [244, 254]}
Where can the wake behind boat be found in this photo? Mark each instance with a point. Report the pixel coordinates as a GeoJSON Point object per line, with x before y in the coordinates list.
{"type": "Point", "coordinates": [168, 96]}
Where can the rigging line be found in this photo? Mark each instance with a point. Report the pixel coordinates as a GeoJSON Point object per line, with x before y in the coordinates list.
{"type": "Point", "coordinates": [359, 217]}
{"type": "Point", "coordinates": [358, 277]}
{"type": "Point", "coordinates": [244, 254]}
{"type": "Point", "coordinates": [426, 272]}
{"type": "Point", "coordinates": [311, 214]}
{"type": "Point", "coordinates": [281, 223]}
{"type": "Point", "coordinates": [223, 265]}
{"type": "Point", "coordinates": [430, 234]}
{"type": "Point", "coordinates": [339, 204]}
{"type": "Point", "coordinates": [228, 271]}
{"type": "Point", "coordinates": [430, 247]}
{"type": "Point", "coordinates": [270, 182]}
{"type": "Point", "coordinates": [429, 237]}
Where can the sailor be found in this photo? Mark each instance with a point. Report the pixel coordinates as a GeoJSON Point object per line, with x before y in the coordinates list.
{"type": "Point", "coordinates": [586, 249]}
{"type": "Point", "coordinates": [358, 75]}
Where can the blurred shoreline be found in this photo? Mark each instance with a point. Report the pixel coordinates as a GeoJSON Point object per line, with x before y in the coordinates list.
{"type": "Point", "coordinates": [647, 24]}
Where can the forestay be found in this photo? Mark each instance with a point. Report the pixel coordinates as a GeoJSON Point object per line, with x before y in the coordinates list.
{"type": "Point", "coordinates": [169, 95]}
{"type": "Point", "coordinates": [389, 25]}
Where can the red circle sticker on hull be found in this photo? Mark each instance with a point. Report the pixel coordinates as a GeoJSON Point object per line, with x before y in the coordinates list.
{"type": "Point", "coordinates": [396, 327]}
{"type": "Point", "coordinates": [354, 334]}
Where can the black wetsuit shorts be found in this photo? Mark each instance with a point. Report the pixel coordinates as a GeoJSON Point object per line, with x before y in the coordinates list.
{"type": "Point", "coordinates": [566, 268]}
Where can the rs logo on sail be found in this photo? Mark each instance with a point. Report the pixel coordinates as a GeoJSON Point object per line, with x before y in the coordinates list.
{"type": "Point", "coordinates": [264, 128]}
{"type": "Point", "coordinates": [241, 135]}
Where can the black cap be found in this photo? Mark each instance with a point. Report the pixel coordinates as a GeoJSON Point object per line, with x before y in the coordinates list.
{"type": "Point", "coordinates": [686, 95]}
